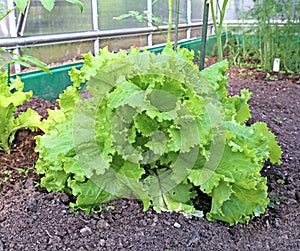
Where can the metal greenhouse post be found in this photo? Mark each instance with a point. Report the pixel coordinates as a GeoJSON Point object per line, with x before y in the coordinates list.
{"type": "Point", "coordinates": [149, 9]}
{"type": "Point", "coordinates": [189, 17]}
{"type": "Point", "coordinates": [204, 34]}
{"type": "Point", "coordinates": [95, 25]}
{"type": "Point", "coordinates": [176, 24]}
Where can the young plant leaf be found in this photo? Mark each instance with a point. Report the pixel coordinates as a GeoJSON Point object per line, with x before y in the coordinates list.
{"type": "Point", "coordinates": [48, 4]}
{"type": "Point", "coordinates": [21, 4]}
{"type": "Point", "coordinates": [78, 3]}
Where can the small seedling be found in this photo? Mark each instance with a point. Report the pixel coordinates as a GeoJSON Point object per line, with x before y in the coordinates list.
{"type": "Point", "coordinates": [25, 171]}
{"type": "Point", "coordinates": [7, 176]}
{"type": "Point", "coordinates": [270, 77]}
{"type": "Point", "coordinates": [21, 170]}
{"type": "Point", "coordinates": [277, 120]}
{"type": "Point", "coordinates": [275, 199]}
{"type": "Point", "coordinates": [250, 73]}
{"type": "Point", "coordinates": [242, 73]}
{"type": "Point", "coordinates": [8, 172]}
{"type": "Point", "coordinates": [280, 181]}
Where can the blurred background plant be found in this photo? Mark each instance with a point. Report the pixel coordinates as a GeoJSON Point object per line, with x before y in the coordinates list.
{"type": "Point", "coordinates": [273, 32]}
{"type": "Point", "coordinates": [147, 16]}
{"type": "Point", "coordinates": [218, 22]}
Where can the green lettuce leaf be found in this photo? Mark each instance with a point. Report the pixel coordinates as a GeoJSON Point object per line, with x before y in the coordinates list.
{"type": "Point", "coordinates": [11, 96]}
{"type": "Point", "coordinates": [236, 203]}
{"type": "Point", "coordinates": [89, 195]}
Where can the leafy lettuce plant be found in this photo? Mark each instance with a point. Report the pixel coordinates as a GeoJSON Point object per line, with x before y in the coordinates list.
{"type": "Point", "coordinates": [11, 96]}
{"type": "Point", "coordinates": [156, 128]}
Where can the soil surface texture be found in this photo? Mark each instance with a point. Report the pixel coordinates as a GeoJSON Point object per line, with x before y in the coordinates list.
{"type": "Point", "coordinates": [33, 219]}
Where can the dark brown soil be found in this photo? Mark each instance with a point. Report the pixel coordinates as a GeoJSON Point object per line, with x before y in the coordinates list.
{"type": "Point", "coordinates": [32, 219]}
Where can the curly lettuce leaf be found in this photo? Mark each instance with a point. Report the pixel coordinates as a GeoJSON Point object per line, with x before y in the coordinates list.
{"type": "Point", "coordinates": [89, 195]}
{"type": "Point", "coordinates": [238, 204]}
{"type": "Point", "coordinates": [26, 120]}
{"type": "Point", "coordinates": [12, 93]}
{"type": "Point", "coordinates": [237, 189]}
{"type": "Point", "coordinates": [238, 107]}
{"type": "Point", "coordinates": [166, 195]}
{"type": "Point", "coordinates": [11, 96]}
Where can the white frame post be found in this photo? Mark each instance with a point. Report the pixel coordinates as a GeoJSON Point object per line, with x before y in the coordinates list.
{"type": "Point", "coordinates": [95, 22]}
{"type": "Point", "coordinates": [188, 17]}
{"type": "Point", "coordinates": [149, 9]}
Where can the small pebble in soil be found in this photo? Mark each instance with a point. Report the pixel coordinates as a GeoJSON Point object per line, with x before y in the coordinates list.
{"type": "Point", "coordinates": [29, 183]}
{"type": "Point", "coordinates": [279, 174]}
{"type": "Point", "coordinates": [102, 224]}
{"type": "Point", "coordinates": [143, 223]}
{"type": "Point", "coordinates": [297, 196]}
{"type": "Point", "coordinates": [50, 196]}
{"type": "Point", "coordinates": [32, 206]}
{"type": "Point", "coordinates": [2, 218]}
{"type": "Point", "coordinates": [278, 223]}
{"type": "Point", "coordinates": [86, 231]}
{"type": "Point", "coordinates": [177, 225]}
{"type": "Point", "coordinates": [64, 198]}
{"type": "Point", "coordinates": [1, 246]}
{"type": "Point", "coordinates": [102, 242]}
{"type": "Point", "coordinates": [194, 238]}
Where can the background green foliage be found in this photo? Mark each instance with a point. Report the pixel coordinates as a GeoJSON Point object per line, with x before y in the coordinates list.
{"type": "Point", "coordinates": [265, 39]}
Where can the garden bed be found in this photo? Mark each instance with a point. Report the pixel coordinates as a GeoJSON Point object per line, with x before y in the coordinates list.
{"type": "Point", "coordinates": [33, 219]}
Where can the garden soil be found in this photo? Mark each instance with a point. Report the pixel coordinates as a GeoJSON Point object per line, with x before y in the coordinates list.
{"type": "Point", "coordinates": [34, 219]}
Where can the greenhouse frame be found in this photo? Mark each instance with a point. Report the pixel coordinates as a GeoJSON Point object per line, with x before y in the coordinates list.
{"type": "Point", "coordinates": [69, 33]}
{"type": "Point", "coordinates": [61, 37]}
